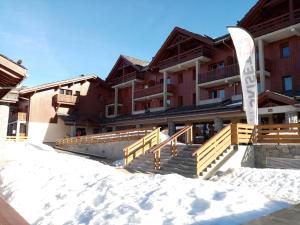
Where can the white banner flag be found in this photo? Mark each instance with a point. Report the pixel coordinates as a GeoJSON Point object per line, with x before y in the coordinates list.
{"type": "Point", "coordinates": [245, 50]}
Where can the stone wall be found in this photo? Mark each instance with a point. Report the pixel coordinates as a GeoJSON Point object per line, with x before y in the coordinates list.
{"type": "Point", "coordinates": [264, 152]}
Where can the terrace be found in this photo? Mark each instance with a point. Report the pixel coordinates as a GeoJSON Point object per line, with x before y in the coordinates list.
{"type": "Point", "coordinates": [203, 51]}
{"type": "Point", "coordinates": [152, 91]}
{"type": "Point", "coordinates": [276, 23]}
{"type": "Point", "coordinates": [227, 72]}
{"type": "Point", "coordinates": [62, 99]}
{"type": "Point", "coordinates": [127, 77]}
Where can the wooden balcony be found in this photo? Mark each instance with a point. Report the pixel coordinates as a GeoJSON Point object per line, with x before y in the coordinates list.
{"type": "Point", "coordinates": [276, 23]}
{"type": "Point", "coordinates": [128, 77]}
{"type": "Point", "coordinates": [186, 56]}
{"type": "Point", "coordinates": [20, 116]}
{"type": "Point", "coordinates": [61, 99]}
{"type": "Point", "coordinates": [227, 71]}
{"type": "Point", "coordinates": [154, 90]}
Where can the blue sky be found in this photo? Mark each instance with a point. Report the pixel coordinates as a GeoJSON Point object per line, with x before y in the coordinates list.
{"type": "Point", "coordinates": [62, 39]}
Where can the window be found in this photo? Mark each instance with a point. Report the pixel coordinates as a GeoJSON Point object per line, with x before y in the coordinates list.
{"type": "Point", "coordinates": [77, 93]}
{"type": "Point", "coordinates": [65, 92]}
{"type": "Point", "coordinates": [161, 81]}
{"type": "Point", "coordinates": [68, 92]}
{"type": "Point", "coordinates": [61, 91]}
{"type": "Point", "coordinates": [218, 65]}
{"type": "Point", "coordinates": [168, 102]}
{"type": "Point", "coordinates": [180, 101]}
{"type": "Point", "coordinates": [285, 51]}
{"type": "Point", "coordinates": [258, 87]}
{"type": "Point", "coordinates": [214, 94]}
{"type": "Point", "coordinates": [168, 80]}
{"type": "Point", "coordinates": [180, 78]}
{"type": "Point", "coordinates": [221, 93]}
{"type": "Point", "coordinates": [217, 93]}
{"type": "Point", "coordinates": [287, 83]}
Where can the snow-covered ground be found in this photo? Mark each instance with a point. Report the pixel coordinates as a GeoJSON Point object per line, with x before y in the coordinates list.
{"type": "Point", "coordinates": [47, 187]}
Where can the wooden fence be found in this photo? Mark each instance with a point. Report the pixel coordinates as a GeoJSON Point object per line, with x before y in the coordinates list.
{"type": "Point", "coordinates": [278, 133]}
{"type": "Point", "coordinates": [141, 146]}
{"type": "Point", "coordinates": [123, 135]}
{"type": "Point", "coordinates": [236, 134]}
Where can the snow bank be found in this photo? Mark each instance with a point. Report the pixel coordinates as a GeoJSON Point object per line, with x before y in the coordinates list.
{"type": "Point", "coordinates": [277, 184]}
{"type": "Point", "coordinates": [47, 187]}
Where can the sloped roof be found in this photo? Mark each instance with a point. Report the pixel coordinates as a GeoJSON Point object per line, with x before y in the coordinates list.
{"type": "Point", "coordinates": [259, 4]}
{"type": "Point", "coordinates": [57, 84]}
{"type": "Point", "coordinates": [136, 61]}
{"type": "Point", "coordinates": [205, 39]}
{"type": "Point", "coordinates": [275, 96]}
{"type": "Point", "coordinates": [138, 64]}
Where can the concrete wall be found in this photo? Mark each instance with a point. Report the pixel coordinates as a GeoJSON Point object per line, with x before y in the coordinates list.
{"type": "Point", "coordinates": [4, 114]}
{"type": "Point", "coordinates": [112, 151]}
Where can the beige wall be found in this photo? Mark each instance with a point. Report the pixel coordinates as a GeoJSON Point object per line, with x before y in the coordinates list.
{"type": "Point", "coordinates": [47, 132]}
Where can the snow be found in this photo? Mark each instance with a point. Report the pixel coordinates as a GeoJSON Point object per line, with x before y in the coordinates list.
{"type": "Point", "coordinates": [47, 187]}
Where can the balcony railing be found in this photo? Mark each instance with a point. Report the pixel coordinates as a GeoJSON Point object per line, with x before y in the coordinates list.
{"type": "Point", "coordinates": [20, 116]}
{"type": "Point", "coordinates": [227, 71]}
{"type": "Point", "coordinates": [276, 23]}
{"type": "Point", "coordinates": [128, 77]}
{"type": "Point", "coordinates": [159, 88]}
{"type": "Point", "coordinates": [186, 56]}
{"type": "Point", "coordinates": [65, 99]}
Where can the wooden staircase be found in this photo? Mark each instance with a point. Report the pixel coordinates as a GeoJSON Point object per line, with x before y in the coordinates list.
{"type": "Point", "coordinates": [184, 163]}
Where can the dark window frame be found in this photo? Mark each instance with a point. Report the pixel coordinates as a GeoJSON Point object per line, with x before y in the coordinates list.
{"type": "Point", "coordinates": [283, 83]}
{"type": "Point", "coordinates": [283, 54]}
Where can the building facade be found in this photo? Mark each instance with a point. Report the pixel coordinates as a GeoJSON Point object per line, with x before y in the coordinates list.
{"type": "Point", "coordinates": [192, 79]}
{"type": "Point", "coordinates": [61, 109]}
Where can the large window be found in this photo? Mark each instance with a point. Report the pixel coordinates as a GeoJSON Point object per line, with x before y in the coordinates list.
{"type": "Point", "coordinates": [217, 93]}
{"type": "Point", "coordinates": [287, 83]}
{"type": "Point", "coordinates": [285, 50]}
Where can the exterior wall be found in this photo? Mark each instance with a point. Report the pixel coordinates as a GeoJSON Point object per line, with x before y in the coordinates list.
{"type": "Point", "coordinates": [4, 114]}
{"type": "Point", "coordinates": [284, 66]}
{"type": "Point", "coordinates": [44, 125]}
{"type": "Point", "coordinates": [47, 132]}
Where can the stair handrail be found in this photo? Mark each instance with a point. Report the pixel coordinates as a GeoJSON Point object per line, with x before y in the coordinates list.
{"type": "Point", "coordinates": [173, 140]}
{"type": "Point", "coordinates": [141, 146]}
{"type": "Point", "coordinates": [128, 134]}
{"type": "Point", "coordinates": [212, 149]}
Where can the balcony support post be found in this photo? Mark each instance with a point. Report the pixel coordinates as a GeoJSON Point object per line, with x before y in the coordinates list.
{"type": "Point", "coordinates": [132, 97]}
{"type": "Point", "coordinates": [165, 89]}
{"type": "Point", "coordinates": [116, 102]}
{"type": "Point", "coordinates": [197, 82]}
{"type": "Point", "coordinates": [261, 57]}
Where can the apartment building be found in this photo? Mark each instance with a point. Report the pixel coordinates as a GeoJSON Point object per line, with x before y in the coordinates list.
{"type": "Point", "coordinates": [192, 79]}
{"type": "Point", "coordinates": [65, 108]}
{"type": "Point", "coordinates": [195, 79]}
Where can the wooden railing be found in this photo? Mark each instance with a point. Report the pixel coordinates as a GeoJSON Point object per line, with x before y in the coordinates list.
{"type": "Point", "coordinates": [188, 130]}
{"type": "Point", "coordinates": [274, 24]}
{"type": "Point", "coordinates": [278, 133]}
{"type": "Point", "coordinates": [16, 138]}
{"type": "Point", "coordinates": [65, 99]}
{"type": "Point", "coordinates": [212, 149]}
{"type": "Point", "coordinates": [186, 56]}
{"type": "Point", "coordinates": [236, 134]}
{"type": "Point", "coordinates": [127, 77]}
{"type": "Point", "coordinates": [141, 146]}
{"type": "Point", "coordinates": [228, 71]}
{"type": "Point", "coordinates": [156, 89]}
{"type": "Point", "coordinates": [123, 135]}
